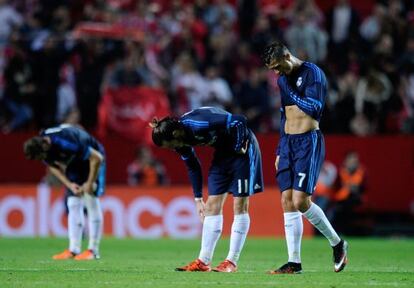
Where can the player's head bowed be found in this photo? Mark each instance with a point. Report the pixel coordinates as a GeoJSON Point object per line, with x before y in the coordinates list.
{"type": "Point", "coordinates": [274, 52]}
{"type": "Point", "coordinates": [36, 148]}
{"type": "Point", "coordinates": [164, 130]}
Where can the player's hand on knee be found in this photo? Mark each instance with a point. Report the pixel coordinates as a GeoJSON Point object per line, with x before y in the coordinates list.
{"type": "Point", "coordinates": [200, 206]}
{"type": "Point", "coordinates": [88, 187]}
{"type": "Point", "coordinates": [75, 188]}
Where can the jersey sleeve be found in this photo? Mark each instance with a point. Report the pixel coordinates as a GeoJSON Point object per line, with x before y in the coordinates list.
{"type": "Point", "coordinates": [238, 129]}
{"type": "Point", "coordinates": [311, 102]}
{"type": "Point", "coordinates": [236, 125]}
{"type": "Point", "coordinates": [192, 162]}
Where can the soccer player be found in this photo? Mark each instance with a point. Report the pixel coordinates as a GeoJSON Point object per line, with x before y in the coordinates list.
{"type": "Point", "coordinates": [78, 161]}
{"type": "Point", "coordinates": [236, 168]}
{"type": "Point", "coordinates": [300, 152]}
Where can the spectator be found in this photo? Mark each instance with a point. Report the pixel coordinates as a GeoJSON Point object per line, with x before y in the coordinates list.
{"type": "Point", "coordinates": [9, 19]}
{"type": "Point", "coordinates": [372, 93]}
{"type": "Point", "coordinates": [188, 83]}
{"type": "Point", "coordinates": [344, 109]}
{"type": "Point", "coordinates": [309, 8]}
{"type": "Point", "coordinates": [263, 33]}
{"type": "Point", "coordinates": [372, 26]}
{"type": "Point", "coordinates": [342, 26]}
{"type": "Point", "coordinates": [220, 10]}
{"type": "Point", "coordinates": [66, 102]}
{"type": "Point", "coordinates": [226, 34]}
{"type": "Point", "coordinates": [325, 185]}
{"type": "Point", "coordinates": [406, 88]}
{"type": "Point", "coordinates": [253, 100]}
{"type": "Point", "coordinates": [93, 56]}
{"type": "Point", "coordinates": [349, 195]}
{"type": "Point", "coordinates": [19, 89]}
{"type": "Point", "coordinates": [146, 170]}
{"type": "Point", "coordinates": [306, 40]}
{"type": "Point", "coordinates": [218, 90]}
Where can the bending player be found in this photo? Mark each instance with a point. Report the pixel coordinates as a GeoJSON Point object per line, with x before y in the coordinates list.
{"type": "Point", "coordinates": [78, 161]}
{"type": "Point", "coordinates": [236, 168]}
{"type": "Point", "coordinates": [301, 152]}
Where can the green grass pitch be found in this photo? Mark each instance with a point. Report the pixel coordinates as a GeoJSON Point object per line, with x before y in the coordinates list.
{"type": "Point", "coordinates": [151, 263]}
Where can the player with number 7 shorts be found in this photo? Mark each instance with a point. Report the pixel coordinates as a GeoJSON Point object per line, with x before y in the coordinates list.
{"type": "Point", "coordinates": [236, 168]}
{"type": "Point", "coordinates": [301, 152]}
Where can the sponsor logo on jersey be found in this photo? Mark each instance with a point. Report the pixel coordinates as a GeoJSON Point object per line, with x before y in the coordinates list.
{"type": "Point", "coordinates": [299, 82]}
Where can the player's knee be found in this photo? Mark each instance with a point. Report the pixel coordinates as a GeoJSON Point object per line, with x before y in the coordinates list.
{"type": "Point", "coordinates": [212, 208]}
{"type": "Point", "coordinates": [300, 204]}
{"type": "Point", "coordinates": [287, 203]}
{"type": "Point", "coordinates": [241, 205]}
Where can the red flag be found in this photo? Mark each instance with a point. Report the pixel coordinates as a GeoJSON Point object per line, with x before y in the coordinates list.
{"type": "Point", "coordinates": [127, 112]}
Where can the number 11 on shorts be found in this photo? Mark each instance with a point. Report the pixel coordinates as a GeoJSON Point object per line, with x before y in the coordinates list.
{"type": "Point", "coordinates": [302, 177]}
{"type": "Point", "coordinates": [240, 186]}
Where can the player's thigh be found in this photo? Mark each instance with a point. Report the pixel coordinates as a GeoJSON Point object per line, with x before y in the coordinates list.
{"type": "Point", "coordinates": [308, 158]}
{"type": "Point", "coordinates": [247, 172]}
{"type": "Point", "coordinates": [221, 174]}
{"type": "Point", "coordinates": [285, 178]}
{"type": "Point", "coordinates": [219, 180]}
{"type": "Point", "coordinates": [284, 173]}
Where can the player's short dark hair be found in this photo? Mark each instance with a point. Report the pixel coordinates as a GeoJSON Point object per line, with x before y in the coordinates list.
{"type": "Point", "coordinates": [34, 147]}
{"type": "Point", "coordinates": [274, 51]}
{"type": "Point", "coordinates": [162, 130]}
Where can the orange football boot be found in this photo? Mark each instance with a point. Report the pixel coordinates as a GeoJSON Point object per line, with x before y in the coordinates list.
{"type": "Point", "coordinates": [195, 266]}
{"type": "Point", "coordinates": [226, 266]}
{"type": "Point", "coordinates": [65, 255]}
{"type": "Point", "coordinates": [87, 255]}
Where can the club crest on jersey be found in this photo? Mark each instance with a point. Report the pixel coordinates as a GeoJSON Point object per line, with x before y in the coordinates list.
{"type": "Point", "coordinates": [299, 82]}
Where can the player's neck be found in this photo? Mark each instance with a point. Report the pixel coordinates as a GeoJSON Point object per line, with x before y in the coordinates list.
{"type": "Point", "coordinates": [296, 63]}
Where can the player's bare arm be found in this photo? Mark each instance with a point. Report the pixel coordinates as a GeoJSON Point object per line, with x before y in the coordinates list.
{"type": "Point", "coordinates": [95, 160]}
{"type": "Point", "coordinates": [75, 188]}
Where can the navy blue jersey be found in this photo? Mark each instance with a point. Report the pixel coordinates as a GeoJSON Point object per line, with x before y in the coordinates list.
{"type": "Point", "coordinates": [208, 126]}
{"type": "Point", "coordinates": [70, 145]}
{"type": "Point", "coordinates": [306, 88]}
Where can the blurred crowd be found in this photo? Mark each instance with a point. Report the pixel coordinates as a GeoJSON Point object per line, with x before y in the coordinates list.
{"type": "Point", "coordinates": [57, 58]}
{"type": "Point", "coordinates": [340, 192]}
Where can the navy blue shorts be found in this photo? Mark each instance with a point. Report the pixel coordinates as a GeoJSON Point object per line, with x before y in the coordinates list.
{"type": "Point", "coordinates": [301, 157]}
{"type": "Point", "coordinates": [79, 174]}
{"type": "Point", "coordinates": [240, 174]}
